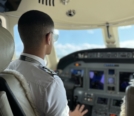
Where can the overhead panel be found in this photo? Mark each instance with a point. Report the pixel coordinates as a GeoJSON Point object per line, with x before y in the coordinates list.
{"type": "Point", "coordinates": [79, 14]}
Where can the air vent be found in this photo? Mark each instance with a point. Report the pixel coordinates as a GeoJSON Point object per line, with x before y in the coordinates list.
{"type": "Point", "coordinates": [65, 1]}
{"type": "Point", "coordinates": [47, 2]}
{"type": "Point", "coordinates": [71, 13]}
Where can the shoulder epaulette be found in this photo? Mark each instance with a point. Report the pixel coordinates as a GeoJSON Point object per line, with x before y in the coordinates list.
{"type": "Point", "coordinates": [50, 72]}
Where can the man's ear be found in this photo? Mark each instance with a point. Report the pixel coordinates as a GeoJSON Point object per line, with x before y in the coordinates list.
{"type": "Point", "coordinates": [48, 39]}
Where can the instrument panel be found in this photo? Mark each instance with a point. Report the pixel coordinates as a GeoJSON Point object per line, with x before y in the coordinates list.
{"type": "Point", "coordinates": [97, 79]}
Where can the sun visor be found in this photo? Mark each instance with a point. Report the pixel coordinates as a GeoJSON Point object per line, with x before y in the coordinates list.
{"type": "Point", "coordinates": [9, 5]}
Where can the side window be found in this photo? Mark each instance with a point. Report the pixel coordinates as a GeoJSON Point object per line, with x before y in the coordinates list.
{"type": "Point", "coordinates": [126, 36]}
{"type": "Point", "coordinates": [18, 43]}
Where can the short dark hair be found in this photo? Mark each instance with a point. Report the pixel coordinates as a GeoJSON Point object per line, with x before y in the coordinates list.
{"type": "Point", "coordinates": [32, 26]}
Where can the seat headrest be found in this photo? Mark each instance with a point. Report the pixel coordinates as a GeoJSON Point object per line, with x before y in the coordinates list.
{"type": "Point", "coordinates": [6, 48]}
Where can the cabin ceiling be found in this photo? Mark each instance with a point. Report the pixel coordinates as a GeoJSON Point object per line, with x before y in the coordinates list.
{"type": "Point", "coordinates": [88, 13]}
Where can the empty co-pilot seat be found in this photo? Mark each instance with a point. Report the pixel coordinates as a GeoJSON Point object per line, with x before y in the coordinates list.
{"type": "Point", "coordinates": [13, 83]}
{"type": "Point", "coordinates": [127, 108]}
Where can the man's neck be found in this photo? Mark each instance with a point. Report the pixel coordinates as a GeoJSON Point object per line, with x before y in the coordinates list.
{"type": "Point", "coordinates": [39, 54]}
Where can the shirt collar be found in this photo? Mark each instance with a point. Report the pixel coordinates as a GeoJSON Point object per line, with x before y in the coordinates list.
{"type": "Point", "coordinates": [35, 58]}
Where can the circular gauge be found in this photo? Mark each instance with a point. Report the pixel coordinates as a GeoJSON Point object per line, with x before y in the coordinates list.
{"type": "Point", "coordinates": [111, 80]}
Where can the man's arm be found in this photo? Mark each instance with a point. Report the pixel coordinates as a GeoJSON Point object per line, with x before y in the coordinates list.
{"type": "Point", "coordinates": [55, 101]}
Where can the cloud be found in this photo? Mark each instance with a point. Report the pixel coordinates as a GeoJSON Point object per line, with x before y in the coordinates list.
{"type": "Point", "coordinates": [127, 44]}
{"type": "Point", "coordinates": [90, 31]}
{"type": "Point", "coordinates": [125, 27]}
{"type": "Point", "coordinates": [65, 49]}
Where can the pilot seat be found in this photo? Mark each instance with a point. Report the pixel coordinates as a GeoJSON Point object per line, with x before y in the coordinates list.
{"type": "Point", "coordinates": [15, 99]}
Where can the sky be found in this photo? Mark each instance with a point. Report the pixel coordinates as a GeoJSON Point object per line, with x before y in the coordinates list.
{"type": "Point", "coordinates": [73, 40]}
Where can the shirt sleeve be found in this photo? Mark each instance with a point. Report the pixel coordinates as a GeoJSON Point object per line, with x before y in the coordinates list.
{"type": "Point", "coordinates": [55, 100]}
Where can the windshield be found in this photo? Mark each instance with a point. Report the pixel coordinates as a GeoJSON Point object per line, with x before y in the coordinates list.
{"type": "Point", "coordinates": [74, 40]}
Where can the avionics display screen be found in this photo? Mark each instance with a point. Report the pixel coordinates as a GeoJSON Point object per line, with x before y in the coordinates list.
{"type": "Point", "coordinates": [117, 103]}
{"type": "Point", "coordinates": [124, 79]}
{"type": "Point", "coordinates": [77, 76]}
{"type": "Point", "coordinates": [103, 101]}
{"type": "Point", "coordinates": [96, 80]}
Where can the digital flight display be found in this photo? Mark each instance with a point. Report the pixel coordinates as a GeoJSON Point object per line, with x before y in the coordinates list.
{"type": "Point", "coordinates": [77, 76]}
{"type": "Point", "coordinates": [96, 80]}
{"type": "Point", "coordinates": [117, 103]}
{"type": "Point", "coordinates": [125, 78]}
{"type": "Point", "coordinates": [103, 101]}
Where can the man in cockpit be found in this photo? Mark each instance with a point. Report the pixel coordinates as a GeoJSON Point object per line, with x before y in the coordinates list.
{"type": "Point", "coordinates": [36, 32]}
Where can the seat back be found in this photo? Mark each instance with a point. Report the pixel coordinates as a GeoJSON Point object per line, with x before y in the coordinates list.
{"type": "Point", "coordinates": [5, 109]}
{"type": "Point", "coordinates": [13, 83]}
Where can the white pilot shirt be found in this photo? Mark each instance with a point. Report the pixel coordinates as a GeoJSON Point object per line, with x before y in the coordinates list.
{"type": "Point", "coordinates": [47, 91]}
